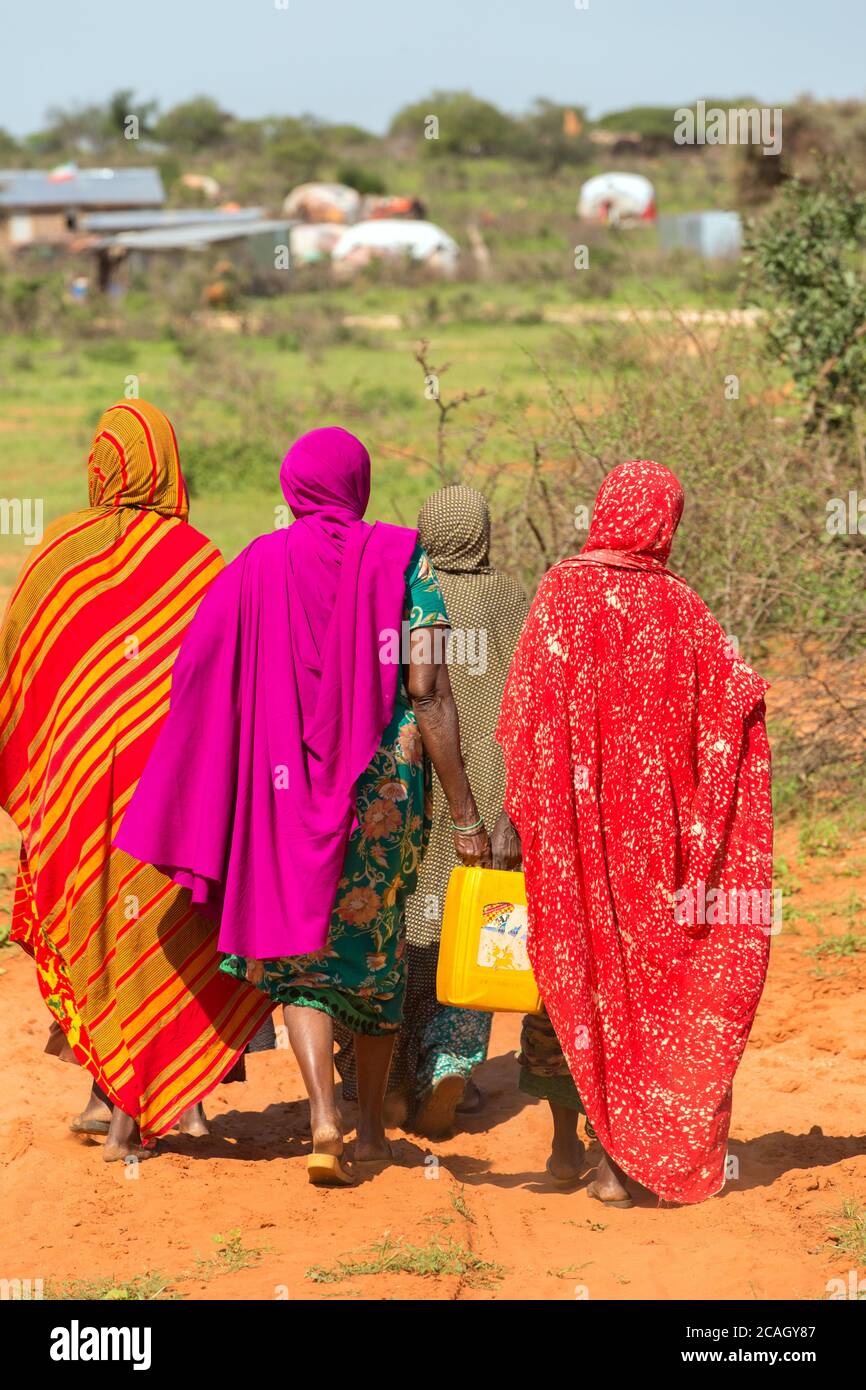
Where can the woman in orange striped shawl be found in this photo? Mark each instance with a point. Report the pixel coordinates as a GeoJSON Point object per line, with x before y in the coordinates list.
{"type": "Point", "coordinates": [129, 972]}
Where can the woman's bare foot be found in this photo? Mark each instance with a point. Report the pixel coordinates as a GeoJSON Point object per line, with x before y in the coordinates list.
{"type": "Point", "coordinates": [607, 1185]}
{"type": "Point", "coordinates": [95, 1118]}
{"type": "Point", "coordinates": [473, 1099]}
{"type": "Point", "coordinates": [124, 1140]}
{"type": "Point", "coordinates": [566, 1162]}
{"type": "Point", "coordinates": [193, 1121]}
{"type": "Point", "coordinates": [567, 1152]}
{"type": "Point", "coordinates": [373, 1054]}
{"type": "Point", "coordinates": [594, 1151]}
{"type": "Point", "coordinates": [372, 1147]}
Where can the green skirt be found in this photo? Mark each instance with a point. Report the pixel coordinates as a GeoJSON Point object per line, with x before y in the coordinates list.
{"type": "Point", "coordinates": [543, 1069]}
{"type": "Point", "coordinates": [359, 977]}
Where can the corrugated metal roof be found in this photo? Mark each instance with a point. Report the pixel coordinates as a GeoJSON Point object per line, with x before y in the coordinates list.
{"type": "Point", "coordinates": [165, 217]}
{"type": "Point", "coordinates": [192, 238]}
{"type": "Point", "coordinates": [38, 188]}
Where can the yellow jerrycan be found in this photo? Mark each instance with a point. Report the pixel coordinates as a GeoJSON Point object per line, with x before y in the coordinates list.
{"type": "Point", "coordinates": [483, 963]}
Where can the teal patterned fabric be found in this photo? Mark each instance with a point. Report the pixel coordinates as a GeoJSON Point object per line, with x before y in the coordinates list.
{"type": "Point", "coordinates": [360, 976]}
{"type": "Point", "coordinates": [453, 1043]}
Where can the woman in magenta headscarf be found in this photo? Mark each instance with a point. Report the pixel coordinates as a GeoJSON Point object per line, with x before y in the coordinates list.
{"type": "Point", "coordinates": [289, 789]}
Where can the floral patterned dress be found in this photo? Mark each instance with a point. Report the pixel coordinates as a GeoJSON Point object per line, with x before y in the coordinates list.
{"type": "Point", "coordinates": [359, 978]}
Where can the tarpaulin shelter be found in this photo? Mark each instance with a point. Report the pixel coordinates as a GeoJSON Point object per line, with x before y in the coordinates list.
{"type": "Point", "coordinates": [377, 205]}
{"type": "Point", "coordinates": [323, 202]}
{"type": "Point", "coordinates": [620, 199]}
{"type": "Point", "coordinates": [394, 238]}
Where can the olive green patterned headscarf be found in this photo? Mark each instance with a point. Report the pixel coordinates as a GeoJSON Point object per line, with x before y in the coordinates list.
{"type": "Point", "coordinates": [483, 602]}
{"type": "Point", "coordinates": [454, 529]}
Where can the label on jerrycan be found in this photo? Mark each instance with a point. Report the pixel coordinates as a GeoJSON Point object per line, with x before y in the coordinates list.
{"type": "Point", "coordinates": [502, 943]}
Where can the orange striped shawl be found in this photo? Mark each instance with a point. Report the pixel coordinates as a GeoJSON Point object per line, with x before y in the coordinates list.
{"type": "Point", "coordinates": [86, 651]}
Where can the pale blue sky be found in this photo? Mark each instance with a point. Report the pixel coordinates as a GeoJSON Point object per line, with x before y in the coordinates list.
{"type": "Point", "coordinates": [359, 60]}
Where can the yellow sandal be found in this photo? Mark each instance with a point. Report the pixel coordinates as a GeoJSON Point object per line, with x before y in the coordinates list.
{"type": "Point", "coordinates": [326, 1170]}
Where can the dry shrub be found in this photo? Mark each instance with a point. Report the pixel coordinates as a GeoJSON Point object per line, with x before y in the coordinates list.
{"type": "Point", "coordinates": [234, 437]}
{"type": "Point", "coordinates": [754, 540]}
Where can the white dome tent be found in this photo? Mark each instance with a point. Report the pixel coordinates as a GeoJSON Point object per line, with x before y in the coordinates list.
{"type": "Point", "coordinates": [394, 238]}
{"type": "Point", "coordinates": [619, 199]}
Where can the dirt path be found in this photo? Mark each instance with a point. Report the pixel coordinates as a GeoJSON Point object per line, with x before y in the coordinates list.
{"type": "Point", "coordinates": [799, 1122]}
{"type": "Point", "coordinates": [571, 314]}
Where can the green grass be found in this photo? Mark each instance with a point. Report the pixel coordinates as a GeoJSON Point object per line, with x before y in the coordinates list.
{"type": "Point", "coordinates": [820, 837]}
{"type": "Point", "coordinates": [849, 943]}
{"type": "Point", "coordinates": [433, 1260]}
{"type": "Point", "coordinates": [587, 1224]}
{"type": "Point", "coordinates": [850, 1238]}
{"type": "Point", "coordinates": [147, 1288]}
{"type": "Point", "coordinates": [238, 402]}
{"type": "Point", "coordinates": [459, 1203]}
{"type": "Point", "coordinates": [231, 1256]}
{"type": "Point", "coordinates": [50, 413]}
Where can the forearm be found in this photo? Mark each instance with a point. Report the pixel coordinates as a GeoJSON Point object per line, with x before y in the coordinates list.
{"type": "Point", "coordinates": [439, 727]}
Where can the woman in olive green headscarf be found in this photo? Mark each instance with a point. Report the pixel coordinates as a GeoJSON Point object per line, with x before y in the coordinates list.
{"type": "Point", "coordinates": [438, 1047]}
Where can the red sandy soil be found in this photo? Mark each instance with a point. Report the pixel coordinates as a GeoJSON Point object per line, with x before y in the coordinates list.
{"type": "Point", "coordinates": [798, 1134]}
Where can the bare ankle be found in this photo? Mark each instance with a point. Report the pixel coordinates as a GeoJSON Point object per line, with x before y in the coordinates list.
{"type": "Point", "coordinates": [371, 1130]}
{"type": "Point", "coordinates": [326, 1127]}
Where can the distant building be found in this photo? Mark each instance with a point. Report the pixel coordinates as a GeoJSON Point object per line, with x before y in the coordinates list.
{"type": "Point", "coordinates": [133, 220]}
{"type": "Point", "coordinates": [257, 246]}
{"type": "Point", "coordinates": [40, 207]}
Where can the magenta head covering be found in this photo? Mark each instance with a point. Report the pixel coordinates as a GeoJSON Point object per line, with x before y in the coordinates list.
{"type": "Point", "coordinates": [278, 704]}
{"type": "Point", "coordinates": [327, 472]}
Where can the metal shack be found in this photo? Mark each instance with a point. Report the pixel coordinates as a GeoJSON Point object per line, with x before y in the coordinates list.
{"type": "Point", "coordinates": [40, 207]}
{"type": "Point", "coordinates": [258, 246]}
{"type": "Point", "coordinates": [711, 235]}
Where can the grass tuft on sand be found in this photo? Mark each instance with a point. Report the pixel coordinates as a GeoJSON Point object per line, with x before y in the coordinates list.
{"type": "Point", "coordinates": [389, 1256]}
{"type": "Point", "coordinates": [232, 1255]}
{"type": "Point", "coordinates": [850, 1238]}
{"type": "Point", "coordinates": [151, 1287]}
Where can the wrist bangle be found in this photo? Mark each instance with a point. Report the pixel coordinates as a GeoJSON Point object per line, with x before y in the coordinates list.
{"type": "Point", "coordinates": [467, 829]}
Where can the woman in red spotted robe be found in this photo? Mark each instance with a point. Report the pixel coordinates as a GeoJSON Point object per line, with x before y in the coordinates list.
{"type": "Point", "coordinates": [639, 782]}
